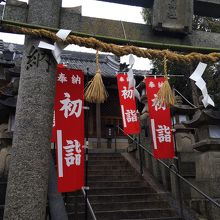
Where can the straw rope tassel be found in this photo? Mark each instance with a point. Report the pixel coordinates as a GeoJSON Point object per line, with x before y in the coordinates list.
{"type": "Point", "coordinates": [95, 91]}
{"type": "Point", "coordinates": [165, 94]}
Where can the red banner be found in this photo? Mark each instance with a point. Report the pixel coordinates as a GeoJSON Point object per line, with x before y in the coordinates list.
{"type": "Point", "coordinates": [69, 127]}
{"type": "Point", "coordinates": [161, 126]}
{"type": "Point", "coordinates": [130, 119]}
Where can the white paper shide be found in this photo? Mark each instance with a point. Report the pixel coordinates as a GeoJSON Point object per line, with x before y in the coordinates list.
{"type": "Point", "coordinates": [201, 84]}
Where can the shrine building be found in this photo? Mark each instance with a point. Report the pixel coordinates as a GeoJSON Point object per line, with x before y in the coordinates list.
{"type": "Point", "coordinates": [103, 119]}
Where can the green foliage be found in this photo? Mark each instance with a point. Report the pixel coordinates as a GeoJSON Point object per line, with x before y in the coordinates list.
{"type": "Point", "coordinates": [212, 73]}
{"type": "Point", "coordinates": [199, 23]}
{"type": "Point", "coordinates": [147, 15]}
{"type": "Point", "coordinates": [206, 24]}
{"type": "Point", "coordinates": [181, 82]}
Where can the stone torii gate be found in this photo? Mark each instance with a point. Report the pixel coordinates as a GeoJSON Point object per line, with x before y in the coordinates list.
{"type": "Point", "coordinates": [28, 176]}
{"type": "Point", "coordinates": [208, 8]}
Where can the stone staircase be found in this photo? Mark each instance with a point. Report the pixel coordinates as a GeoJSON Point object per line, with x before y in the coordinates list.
{"type": "Point", "coordinates": [3, 185]}
{"type": "Point", "coordinates": [118, 192]}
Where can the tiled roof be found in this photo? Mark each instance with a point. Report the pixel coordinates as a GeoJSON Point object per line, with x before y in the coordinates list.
{"type": "Point", "coordinates": [109, 64]}
{"type": "Point", "coordinates": [86, 62]}
{"type": "Point", "coordinates": [1, 45]}
{"type": "Point", "coordinates": [6, 59]}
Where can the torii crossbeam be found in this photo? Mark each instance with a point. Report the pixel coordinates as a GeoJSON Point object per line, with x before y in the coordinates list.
{"type": "Point", "coordinates": [208, 8]}
{"type": "Point", "coordinates": [71, 18]}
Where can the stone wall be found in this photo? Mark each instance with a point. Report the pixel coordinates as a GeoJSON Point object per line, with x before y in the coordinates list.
{"type": "Point", "coordinates": [200, 169]}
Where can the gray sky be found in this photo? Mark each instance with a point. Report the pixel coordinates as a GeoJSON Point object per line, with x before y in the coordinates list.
{"type": "Point", "coordinates": [98, 9]}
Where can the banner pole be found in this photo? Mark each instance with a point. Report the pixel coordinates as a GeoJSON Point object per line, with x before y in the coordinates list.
{"type": "Point", "coordinates": [86, 108]}
{"type": "Point", "coordinates": [86, 162]}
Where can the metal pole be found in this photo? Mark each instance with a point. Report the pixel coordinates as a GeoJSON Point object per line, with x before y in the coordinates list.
{"type": "Point", "coordinates": [140, 155]}
{"type": "Point", "coordinates": [86, 183]}
{"type": "Point", "coordinates": [175, 173]}
{"type": "Point", "coordinates": [86, 152]}
{"type": "Point", "coordinates": [178, 189]}
{"type": "Point", "coordinates": [176, 162]}
{"type": "Point", "coordinates": [115, 138]}
{"type": "Point", "coordinates": [86, 163]}
{"type": "Point", "coordinates": [180, 196]}
{"type": "Point", "coordinates": [90, 207]}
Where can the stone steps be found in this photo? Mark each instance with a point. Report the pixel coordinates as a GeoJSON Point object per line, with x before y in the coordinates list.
{"type": "Point", "coordinates": [121, 190]}
{"type": "Point", "coordinates": [111, 172]}
{"type": "Point", "coordinates": [1, 211]}
{"type": "Point", "coordinates": [114, 177]}
{"type": "Point", "coordinates": [92, 153]}
{"type": "Point", "coordinates": [109, 167]}
{"type": "Point", "coordinates": [116, 198]}
{"type": "Point", "coordinates": [118, 192]}
{"type": "Point", "coordinates": [105, 158]}
{"type": "Point", "coordinates": [130, 183]}
{"type": "Point", "coordinates": [122, 205]}
{"type": "Point", "coordinates": [163, 218]}
{"type": "Point", "coordinates": [108, 162]}
{"type": "Point", "coordinates": [3, 186]}
{"type": "Point", "coordinates": [130, 214]}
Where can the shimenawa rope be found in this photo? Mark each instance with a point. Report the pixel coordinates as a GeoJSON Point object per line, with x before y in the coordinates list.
{"type": "Point", "coordinates": [91, 42]}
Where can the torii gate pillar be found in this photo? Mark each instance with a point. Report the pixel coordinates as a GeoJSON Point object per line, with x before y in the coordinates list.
{"type": "Point", "coordinates": [29, 168]}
